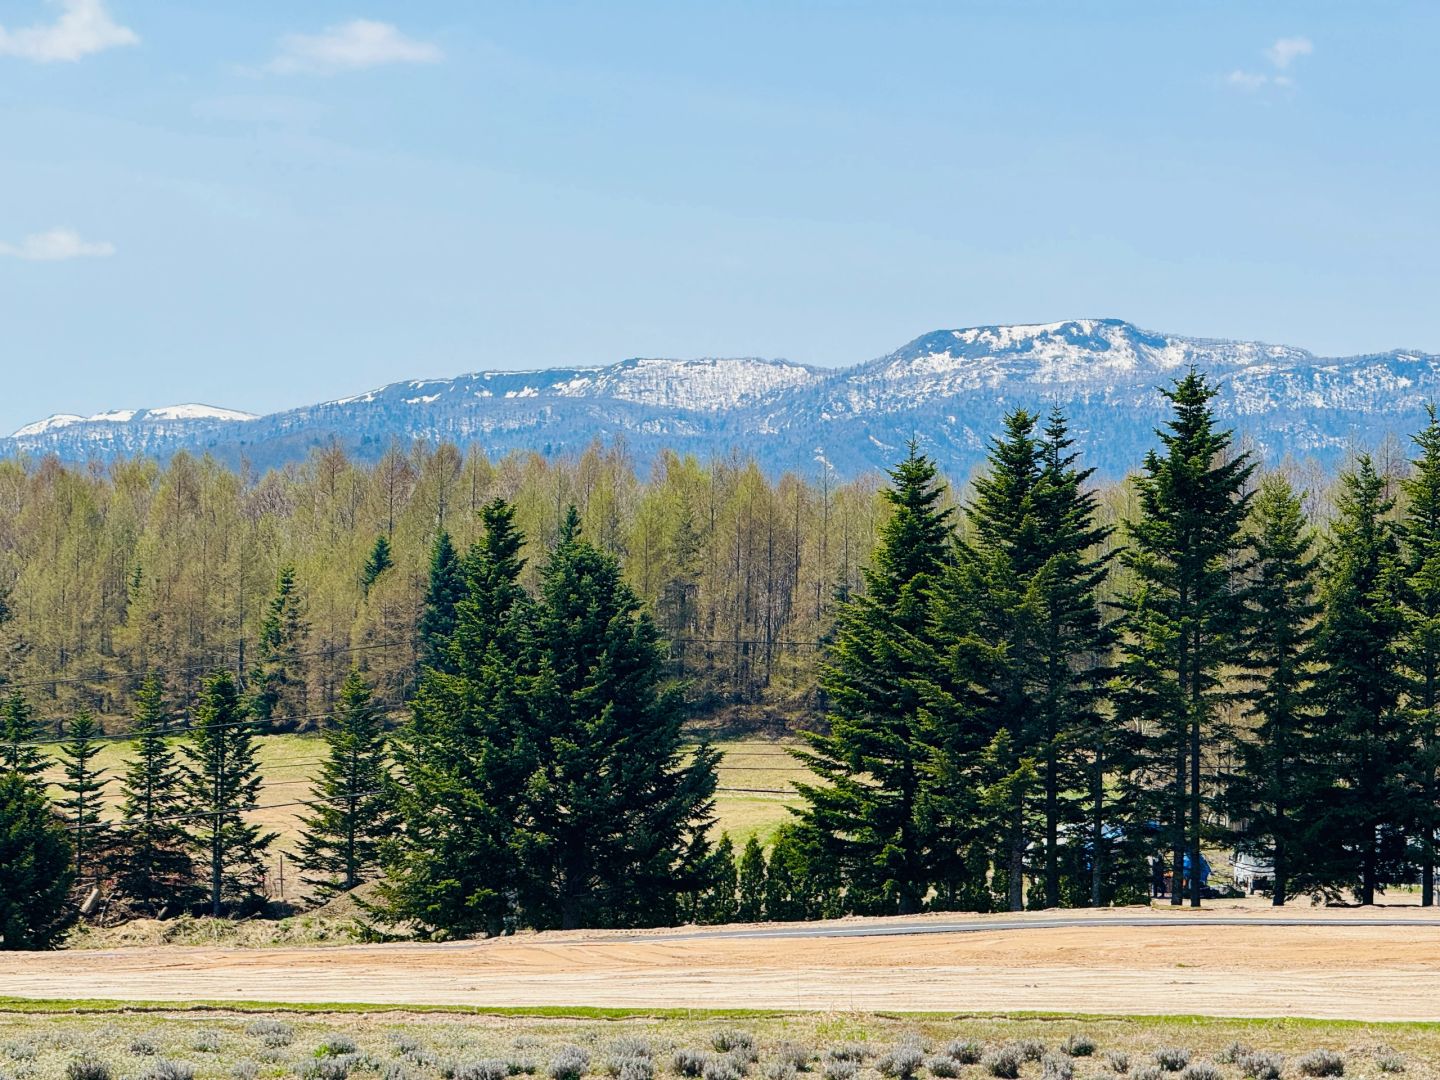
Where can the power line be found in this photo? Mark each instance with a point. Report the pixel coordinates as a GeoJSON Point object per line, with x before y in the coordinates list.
{"type": "Point", "coordinates": [181, 732]}
{"type": "Point", "coordinates": [210, 814]}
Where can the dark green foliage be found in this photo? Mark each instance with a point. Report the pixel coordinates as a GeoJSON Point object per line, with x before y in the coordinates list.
{"type": "Point", "coordinates": [36, 867]}
{"type": "Point", "coordinates": [715, 899]}
{"type": "Point", "coordinates": [465, 757]}
{"type": "Point", "coordinates": [83, 787]}
{"type": "Point", "coordinates": [874, 821]}
{"type": "Point", "coordinates": [1365, 732]}
{"type": "Point", "coordinates": [791, 889]}
{"type": "Point", "coordinates": [153, 864]}
{"type": "Point", "coordinates": [222, 782]}
{"type": "Point", "coordinates": [1184, 615]}
{"type": "Point", "coordinates": [19, 733]}
{"type": "Point", "coordinates": [1420, 651]}
{"type": "Point", "coordinates": [278, 682]}
{"type": "Point", "coordinates": [342, 833]}
{"type": "Point", "coordinates": [443, 594]}
{"type": "Point", "coordinates": [1020, 612]}
{"type": "Point", "coordinates": [379, 560]}
{"type": "Point", "coordinates": [617, 816]}
{"type": "Point", "coordinates": [751, 882]}
{"type": "Point", "coordinates": [1280, 774]}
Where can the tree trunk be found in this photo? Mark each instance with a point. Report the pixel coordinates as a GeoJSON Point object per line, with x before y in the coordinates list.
{"type": "Point", "coordinates": [1097, 828]}
{"type": "Point", "coordinates": [1177, 878]}
{"type": "Point", "coordinates": [1017, 862]}
{"type": "Point", "coordinates": [1052, 815]}
{"type": "Point", "coordinates": [1195, 810]}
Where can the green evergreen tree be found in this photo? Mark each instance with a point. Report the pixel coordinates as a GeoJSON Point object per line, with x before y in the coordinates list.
{"type": "Point", "coordinates": [380, 559]}
{"type": "Point", "coordinates": [154, 868]}
{"type": "Point", "coordinates": [341, 835]}
{"type": "Point", "coordinates": [716, 898]}
{"type": "Point", "coordinates": [1074, 646]}
{"type": "Point", "coordinates": [21, 734]}
{"type": "Point", "coordinates": [988, 609]}
{"type": "Point", "coordinates": [443, 594]}
{"type": "Point", "coordinates": [1275, 791]}
{"type": "Point", "coordinates": [873, 816]}
{"type": "Point", "coordinates": [222, 783]}
{"type": "Point", "coordinates": [278, 688]}
{"type": "Point", "coordinates": [36, 867]}
{"type": "Point", "coordinates": [1184, 608]}
{"type": "Point", "coordinates": [84, 787]}
{"type": "Point", "coordinates": [617, 814]}
{"type": "Point", "coordinates": [465, 757]}
{"type": "Point", "coordinates": [750, 881]}
{"type": "Point", "coordinates": [1367, 737]}
{"type": "Point", "coordinates": [790, 888]}
{"type": "Point", "coordinates": [1022, 600]}
{"type": "Point", "coordinates": [1420, 547]}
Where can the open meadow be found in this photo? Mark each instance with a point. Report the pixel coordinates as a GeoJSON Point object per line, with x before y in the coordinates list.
{"type": "Point", "coordinates": [754, 781]}
{"type": "Point", "coordinates": [335, 1044]}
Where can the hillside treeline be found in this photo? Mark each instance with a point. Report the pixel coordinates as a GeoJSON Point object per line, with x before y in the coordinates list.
{"type": "Point", "coordinates": [110, 573]}
{"type": "Point", "coordinates": [1027, 697]}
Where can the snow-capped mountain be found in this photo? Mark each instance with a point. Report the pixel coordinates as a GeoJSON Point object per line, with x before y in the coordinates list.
{"type": "Point", "coordinates": [949, 389]}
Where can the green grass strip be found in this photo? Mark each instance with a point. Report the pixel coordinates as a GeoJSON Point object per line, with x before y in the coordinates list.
{"type": "Point", "coordinates": [80, 1006]}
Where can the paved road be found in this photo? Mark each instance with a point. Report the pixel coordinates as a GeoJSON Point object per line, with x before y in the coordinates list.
{"type": "Point", "coordinates": [903, 928]}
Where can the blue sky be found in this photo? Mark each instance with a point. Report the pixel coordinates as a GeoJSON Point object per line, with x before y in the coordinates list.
{"type": "Point", "coordinates": [266, 204]}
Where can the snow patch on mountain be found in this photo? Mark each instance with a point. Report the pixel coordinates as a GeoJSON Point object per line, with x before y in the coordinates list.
{"type": "Point", "coordinates": [948, 389]}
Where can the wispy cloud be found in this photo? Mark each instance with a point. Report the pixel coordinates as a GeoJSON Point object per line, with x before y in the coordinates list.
{"type": "Point", "coordinates": [83, 27]}
{"type": "Point", "coordinates": [1282, 56]}
{"type": "Point", "coordinates": [1283, 53]}
{"type": "Point", "coordinates": [56, 245]}
{"type": "Point", "coordinates": [360, 43]}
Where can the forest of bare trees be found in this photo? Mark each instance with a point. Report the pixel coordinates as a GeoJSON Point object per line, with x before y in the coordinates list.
{"type": "Point", "coordinates": [110, 572]}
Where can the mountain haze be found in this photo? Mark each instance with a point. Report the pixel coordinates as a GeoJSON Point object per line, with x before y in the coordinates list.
{"type": "Point", "coordinates": [948, 388]}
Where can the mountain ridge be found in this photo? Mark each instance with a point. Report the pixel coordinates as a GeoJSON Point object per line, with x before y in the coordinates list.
{"type": "Point", "coordinates": [948, 387]}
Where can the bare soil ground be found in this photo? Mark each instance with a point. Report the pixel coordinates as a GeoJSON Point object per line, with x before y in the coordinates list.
{"type": "Point", "coordinates": [1350, 968]}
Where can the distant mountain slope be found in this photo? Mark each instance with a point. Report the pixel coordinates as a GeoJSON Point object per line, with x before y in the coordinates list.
{"type": "Point", "coordinates": [948, 388]}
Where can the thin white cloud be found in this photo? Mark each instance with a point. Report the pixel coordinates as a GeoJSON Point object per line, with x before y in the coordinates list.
{"type": "Point", "coordinates": [83, 27]}
{"type": "Point", "coordinates": [56, 245]}
{"type": "Point", "coordinates": [1281, 55]}
{"type": "Point", "coordinates": [360, 43]}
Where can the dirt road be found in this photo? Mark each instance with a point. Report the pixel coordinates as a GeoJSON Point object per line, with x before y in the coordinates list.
{"type": "Point", "coordinates": [1247, 963]}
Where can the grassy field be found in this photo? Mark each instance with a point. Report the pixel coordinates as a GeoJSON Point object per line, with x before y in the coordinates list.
{"type": "Point", "coordinates": [40, 1040]}
{"type": "Point", "coordinates": [750, 770]}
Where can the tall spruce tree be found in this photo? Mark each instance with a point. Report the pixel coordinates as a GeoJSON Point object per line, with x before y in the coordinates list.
{"type": "Point", "coordinates": [1025, 590]}
{"type": "Point", "coordinates": [36, 866]}
{"type": "Point", "coordinates": [278, 687]}
{"type": "Point", "coordinates": [873, 816]}
{"type": "Point", "coordinates": [443, 593]}
{"type": "Point", "coordinates": [1184, 608]}
{"type": "Point", "coordinates": [1420, 547]}
{"type": "Point", "coordinates": [1367, 737]}
{"type": "Point", "coordinates": [84, 785]}
{"type": "Point", "coordinates": [1074, 645]}
{"type": "Point", "coordinates": [341, 835]}
{"type": "Point", "coordinates": [222, 784]}
{"type": "Point", "coordinates": [616, 812]}
{"type": "Point", "coordinates": [20, 735]}
{"type": "Point", "coordinates": [465, 757]}
{"type": "Point", "coordinates": [1276, 789]}
{"type": "Point", "coordinates": [154, 869]}
{"type": "Point", "coordinates": [988, 609]}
